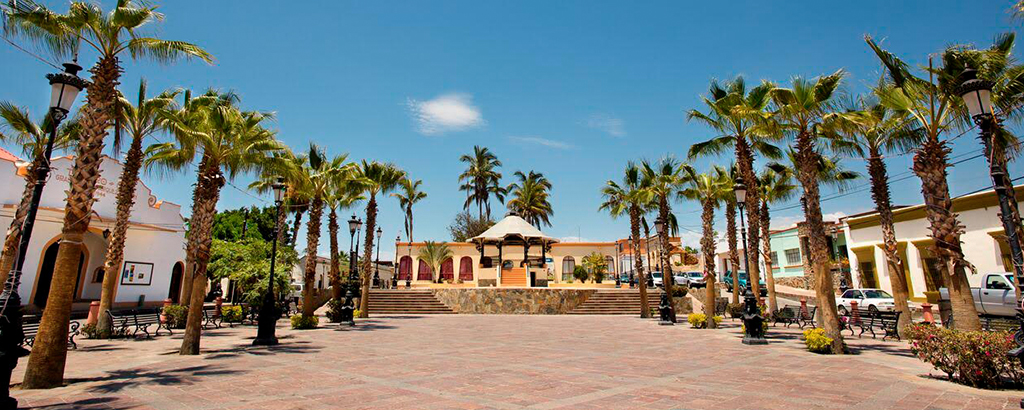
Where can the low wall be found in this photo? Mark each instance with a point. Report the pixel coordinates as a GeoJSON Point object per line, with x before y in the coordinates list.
{"type": "Point", "coordinates": [520, 301]}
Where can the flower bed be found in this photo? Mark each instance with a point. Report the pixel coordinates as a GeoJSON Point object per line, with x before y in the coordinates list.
{"type": "Point", "coordinates": [975, 359]}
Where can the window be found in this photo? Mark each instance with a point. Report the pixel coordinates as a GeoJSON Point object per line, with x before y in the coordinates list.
{"type": "Point", "coordinates": [995, 282]}
{"type": "Point", "coordinates": [856, 294]}
{"type": "Point", "coordinates": [793, 256]}
{"type": "Point", "coordinates": [568, 266]}
{"type": "Point", "coordinates": [848, 294]}
{"type": "Point", "coordinates": [877, 294]}
{"type": "Point", "coordinates": [775, 258]}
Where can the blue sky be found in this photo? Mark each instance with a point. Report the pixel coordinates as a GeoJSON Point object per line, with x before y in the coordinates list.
{"type": "Point", "coordinates": [573, 89]}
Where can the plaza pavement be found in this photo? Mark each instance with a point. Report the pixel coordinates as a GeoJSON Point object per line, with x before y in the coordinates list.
{"type": "Point", "coordinates": [501, 362]}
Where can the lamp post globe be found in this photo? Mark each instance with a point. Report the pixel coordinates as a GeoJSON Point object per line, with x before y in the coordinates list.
{"type": "Point", "coordinates": [266, 332]}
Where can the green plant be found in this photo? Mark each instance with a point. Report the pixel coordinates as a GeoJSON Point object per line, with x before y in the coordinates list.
{"type": "Point", "coordinates": [305, 322]}
{"type": "Point", "coordinates": [89, 331]}
{"type": "Point", "coordinates": [973, 358]}
{"type": "Point", "coordinates": [680, 291]}
{"type": "Point", "coordinates": [231, 314]}
{"type": "Point", "coordinates": [700, 320]}
{"type": "Point", "coordinates": [817, 341]}
{"type": "Point", "coordinates": [580, 273]}
{"type": "Point", "coordinates": [177, 315]}
{"type": "Point", "coordinates": [735, 310]}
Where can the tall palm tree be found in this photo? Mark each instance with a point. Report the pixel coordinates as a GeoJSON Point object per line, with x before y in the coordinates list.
{"type": "Point", "coordinates": [481, 179]}
{"type": "Point", "coordinates": [529, 198]}
{"type": "Point", "coordinates": [407, 197]}
{"type": "Point", "coordinates": [800, 110]}
{"type": "Point", "coordinates": [934, 111]}
{"type": "Point", "coordinates": [869, 130]}
{"type": "Point", "coordinates": [739, 117]}
{"type": "Point", "coordinates": [286, 165]}
{"type": "Point", "coordinates": [775, 186]}
{"type": "Point", "coordinates": [378, 178]}
{"type": "Point", "coordinates": [630, 197]}
{"type": "Point", "coordinates": [664, 179]}
{"type": "Point", "coordinates": [344, 194]}
{"type": "Point", "coordinates": [730, 174]}
{"type": "Point", "coordinates": [230, 142]}
{"type": "Point", "coordinates": [112, 35]}
{"type": "Point", "coordinates": [138, 121]}
{"type": "Point", "coordinates": [18, 128]}
{"type": "Point", "coordinates": [434, 254]}
{"type": "Point", "coordinates": [317, 179]}
{"type": "Point", "coordinates": [710, 189]}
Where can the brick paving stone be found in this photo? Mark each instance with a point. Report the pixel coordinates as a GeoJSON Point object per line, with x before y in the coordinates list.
{"type": "Point", "coordinates": [501, 362]}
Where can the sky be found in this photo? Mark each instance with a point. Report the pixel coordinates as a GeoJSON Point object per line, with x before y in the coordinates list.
{"type": "Point", "coordinates": [572, 89]}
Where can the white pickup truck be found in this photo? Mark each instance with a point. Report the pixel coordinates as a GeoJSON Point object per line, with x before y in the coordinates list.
{"type": "Point", "coordinates": [997, 295]}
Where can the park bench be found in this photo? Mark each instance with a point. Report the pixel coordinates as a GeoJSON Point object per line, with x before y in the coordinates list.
{"type": "Point", "coordinates": [795, 315]}
{"type": "Point", "coordinates": [131, 322]}
{"type": "Point", "coordinates": [211, 317]}
{"type": "Point", "coordinates": [30, 327]}
{"type": "Point", "coordinates": [992, 324]}
{"type": "Point", "coordinates": [870, 320]}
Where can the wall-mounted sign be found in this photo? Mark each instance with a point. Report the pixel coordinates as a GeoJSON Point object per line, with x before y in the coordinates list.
{"type": "Point", "coordinates": [137, 273]}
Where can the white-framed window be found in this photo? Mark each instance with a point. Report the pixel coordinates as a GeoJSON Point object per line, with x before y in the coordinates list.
{"type": "Point", "coordinates": [793, 256]}
{"type": "Point", "coordinates": [568, 266]}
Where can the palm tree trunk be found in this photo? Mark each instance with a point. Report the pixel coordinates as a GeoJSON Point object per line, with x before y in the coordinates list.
{"type": "Point", "coordinates": [734, 254]}
{"type": "Point", "coordinates": [49, 352]}
{"type": "Point", "coordinates": [707, 245]}
{"type": "Point", "coordinates": [295, 225]}
{"type": "Point", "coordinates": [115, 248]}
{"type": "Point", "coordinates": [191, 244]}
{"type": "Point", "coordinates": [766, 253]}
{"type": "Point", "coordinates": [666, 260]}
{"type": "Point", "coordinates": [332, 229]}
{"type": "Point", "coordinates": [745, 160]}
{"type": "Point", "coordinates": [807, 174]}
{"type": "Point", "coordinates": [898, 281]}
{"type": "Point", "coordinates": [204, 208]}
{"type": "Point", "coordinates": [13, 238]}
{"type": "Point", "coordinates": [371, 225]}
{"type": "Point", "coordinates": [930, 166]}
{"type": "Point", "coordinates": [638, 264]}
{"type": "Point", "coordinates": [316, 209]}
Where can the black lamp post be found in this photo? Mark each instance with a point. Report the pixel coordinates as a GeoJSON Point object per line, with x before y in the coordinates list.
{"type": "Point", "coordinates": [376, 262]}
{"type": "Point", "coordinates": [395, 266]}
{"type": "Point", "coordinates": [618, 275]}
{"type": "Point", "coordinates": [265, 334]}
{"type": "Point", "coordinates": [347, 307]}
{"type": "Point", "coordinates": [64, 88]}
{"type": "Point", "coordinates": [753, 332]}
{"type": "Point", "coordinates": [667, 308]}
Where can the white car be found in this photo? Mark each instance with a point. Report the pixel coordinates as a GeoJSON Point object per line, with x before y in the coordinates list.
{"type": "Point", "coordinates": [870, 299]}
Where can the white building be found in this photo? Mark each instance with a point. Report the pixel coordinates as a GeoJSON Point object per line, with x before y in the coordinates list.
{"type": "Point", "coordinates": [322, 278]}
{"type": "Point", "coordinates": [984, 243]}
{"type": "Point", "coordinates": [154, 255]}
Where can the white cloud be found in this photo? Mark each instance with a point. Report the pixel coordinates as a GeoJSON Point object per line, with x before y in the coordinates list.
{"type": "Point", "coordinates": [615, 127]}
{"type": "Point", "coordinates": [541, 141]}
{"type": "Point", "coordinates": [445, 113]}
{"type": "Point", "coordinates": [573, 239]}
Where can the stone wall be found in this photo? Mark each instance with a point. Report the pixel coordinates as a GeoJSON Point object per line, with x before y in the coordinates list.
{"type": "Point", "coordinates": [518, 301]}
{"type": "Point", "coordinates": [799, 282]}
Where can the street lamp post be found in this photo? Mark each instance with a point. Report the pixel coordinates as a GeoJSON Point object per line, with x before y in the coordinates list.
{"type": "Point", "coordinates": [618, 276]}
{"type": "Point", "coordinates": [64, 88]}
{"type": "Point", "coordinates": [376, 262]}
{"type": "Point", "coordinates": [265, 334]}
{"type": "Point", "coordinates": [667, 308]}
{"type": "Point", "coordinates": [347, 307]}
{"type": "Point", "coordinates": [395, 266]}
{"type": "Point", "coordinates": [753, 332]}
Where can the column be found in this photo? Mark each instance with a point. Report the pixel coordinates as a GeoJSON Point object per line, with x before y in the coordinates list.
{"type": "Point", "coordinates": [882, 268]}
{"type": "Point", "coordinates": [913, 262]}
{"type": "Point", "coordinates": [854, 268]}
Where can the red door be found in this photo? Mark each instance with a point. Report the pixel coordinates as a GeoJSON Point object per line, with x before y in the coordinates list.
{"type": "Point", "coordinates": [466, 269]}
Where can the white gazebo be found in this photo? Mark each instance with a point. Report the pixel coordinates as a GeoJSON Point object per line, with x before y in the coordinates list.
{"type": "Point", "coordinates": [515, 231]}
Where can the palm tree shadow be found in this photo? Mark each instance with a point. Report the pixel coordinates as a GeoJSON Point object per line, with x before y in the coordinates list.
{"type": "Point", "coordinates": [91, 403]}
{"type": "Point", "coordinates": [364, 325]}
{"type": "Point", "coordinates": [117, 380]}
{"type": "Point", "coordinates": [240, 349]}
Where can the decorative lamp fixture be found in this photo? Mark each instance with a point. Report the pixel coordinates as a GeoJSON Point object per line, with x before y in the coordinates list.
{"type": "Point", "coordinates": [977, 93]}
{"type": "Point", "coordinates": [64, 88]}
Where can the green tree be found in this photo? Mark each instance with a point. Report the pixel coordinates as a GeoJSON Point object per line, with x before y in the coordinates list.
{"type": "Point", "coordinates": [630, 197]}
{"type": "Point", "coordinates": [345, 193]}
{"type": "Point", "coordinates": [481, 179]}
{"type": "Point", "coordinates": [709, 189]}
{"type": "Point", "coordinates": [529, 198]}
{"type": "Point", "coordinates": [434, 254]}
{"type": "Point", "coordinates": [776, 186]}
{"type": "Point", "coordinates": [247, 264]}
{"type": "Point", "coordinates": [377, 178]}
{"type": "Point", "coordinates": [466, 226]}
{"type": "Point", "coordinates": [596, 266]}
{"type": "Point", "coordinates": [664, 179]}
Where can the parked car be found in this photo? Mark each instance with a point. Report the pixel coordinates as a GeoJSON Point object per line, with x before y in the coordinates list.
{"type": "Point", "coordinates": [997, 295]}
{"type": "Point", "coordinates": [658, 280]}
{"type": "Point", "coordinates": [744, 280]}
{"type": "Point", "coordinates": [691, 279]}
{"type": "Point", "coordinates": [871, 299]}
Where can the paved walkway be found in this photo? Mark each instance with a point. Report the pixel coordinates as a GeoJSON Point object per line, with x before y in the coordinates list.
{"type": "Point", "coordinates": [501, 362]}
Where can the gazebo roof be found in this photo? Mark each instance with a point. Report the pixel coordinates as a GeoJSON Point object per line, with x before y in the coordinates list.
{"type": "Point", "coordinates": [513, 227]}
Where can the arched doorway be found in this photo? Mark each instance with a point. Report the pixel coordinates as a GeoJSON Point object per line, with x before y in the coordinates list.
{"type": "Point", "coordinates": [466, 269]}
{"type": "Point", "coordinates": [447, 269]}
{"type": "Point", "coordinates": [568, 266]}
{"type": "Point", "coordinates": [174, 293]}
{"type": "Point", "coordinates": [425, 273]}
{"type": "Point", "coordinates": [46, 274]}
{"type": "Point", "coordinates": [405, 268]}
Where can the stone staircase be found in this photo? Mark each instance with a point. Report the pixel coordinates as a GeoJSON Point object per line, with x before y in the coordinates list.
{"type": "Point", "coordinates": [402, 301]}
{"type": "Point", "coordinates": [616, 302]}
{"type": "Point", "coordinates": [514, 277]}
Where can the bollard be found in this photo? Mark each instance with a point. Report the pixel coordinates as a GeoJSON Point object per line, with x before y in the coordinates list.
{"type": "Point", "coordinates": [854, 313]}
{"type": "Point", "coordinates": [926, 312]}
{"type": "Point", "coordinates": [94, 313]}
{"type": "Point", "coordinates": [163, 316]}
{"type": "Point", "coordinates": [219, 302]}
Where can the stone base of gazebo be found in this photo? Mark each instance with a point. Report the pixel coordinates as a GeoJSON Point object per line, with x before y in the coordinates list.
{"type": "Point", "coordinates": [513, 301]}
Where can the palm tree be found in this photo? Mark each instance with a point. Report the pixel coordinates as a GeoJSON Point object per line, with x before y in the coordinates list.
{"type": "Point", "coordinates": [530, 198]}
{"type": "Point", "coordinates": [631, 198]}
{"type": "Point", "coordinates": [112, 35]}
{"type": "Point", "coordinates": [775, 186]}
{"type": "Point", "coordinates": [31, 136]}
{"type": "Point", "coordinates": [481, 179]}
{"type": "Point", "coordinates": [231, 142]}
{"type": "Point", "coordinates": [869, 130]}
{"type": "Point", "coordinates": [346, 192]}
{"type": "Point", "coordinates": [710, 189]}
{"type": "Point", "coordinates": [434, 254]}
{"type": "Point", "coordinates": [316, 181]}
{"type": "Point", "coordinates": [409, 196]}
{"type": "Point", "coordinates": [800, 110]}
{"type": "Point", "coordinates": [730, 174]}
{"type": "Point", "coordinates": [378, 178]}
{"type": "Point", "coordinates": [739, 117]}
{"type": "Point", "coordinates": [664, 179]}
{"type": "Point", "coordinates": [138, 121]}
{"type": "Point", "coordinates": [934, 111]}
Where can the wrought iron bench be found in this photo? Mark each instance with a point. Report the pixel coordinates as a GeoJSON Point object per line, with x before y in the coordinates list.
{"type": "Point", "coordinates": [868, 321]}
{"type": "Point", "coordinates": [30, 328]}
{"type": "Point", "coordinates": [211, 317]}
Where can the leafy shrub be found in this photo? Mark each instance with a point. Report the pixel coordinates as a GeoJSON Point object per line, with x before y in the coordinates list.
{"type": "Point", "coordinates": [89, 331]}
{"type": "Point", "coordinates": [580, 273]}
{"type": "Point", "coordinates": [975, 359]}
{"type": "Point", "coordinates": [231, 313]}
{"type": "Point", "coordinates": [817, 341]}
{"type": "Point", "coordinates": [177, 316]}
{"type": "Point", "coordinates": [334, 310]}
{"type": "Point", "coordinates": [305, 322]}
{"type": "Point", "coordinates": [680, 291]}
{"type": "Point", "coordinates": [735, 310]}
{"type": "Point", "coordinates": [700, 320]}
